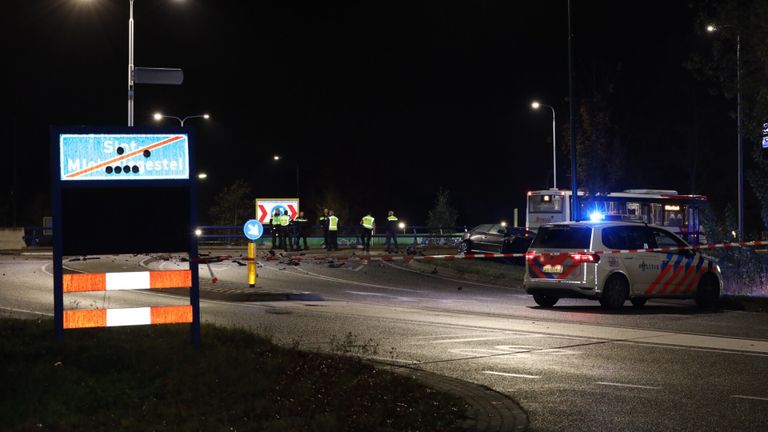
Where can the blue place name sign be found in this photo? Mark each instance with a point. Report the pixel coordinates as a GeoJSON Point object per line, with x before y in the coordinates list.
{"type": "Point", "coordinates": [123, 157]}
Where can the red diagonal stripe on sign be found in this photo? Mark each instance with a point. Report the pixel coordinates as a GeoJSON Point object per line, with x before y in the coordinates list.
{"type": "Point", "coordinates": [264, 214]}
{"type": "Point", "coordinates": [156, 145]}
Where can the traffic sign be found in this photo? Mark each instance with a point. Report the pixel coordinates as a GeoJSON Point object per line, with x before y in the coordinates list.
{"type": "Point", "coordinates": [123, 157]}
{"type": "Point", "coordinates": [265, 207]}
{"type": "Point", "coordinates": [765, 142]}
{"type": "Point", "coordinates": [253, 229]}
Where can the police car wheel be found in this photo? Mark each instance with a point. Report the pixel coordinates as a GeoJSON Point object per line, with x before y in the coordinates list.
{"type": "Point", "coordinates": [614, 293]}
{"type": "Point", "coordinates": [708, 292]}
{"type": "Point", "coordinates": [545, 300]}
{"type": "Point", "coordinates": [638, 302]}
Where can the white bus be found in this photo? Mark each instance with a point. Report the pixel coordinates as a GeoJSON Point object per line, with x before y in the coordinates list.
{"type": "Point", "coordinates": [667, 208]}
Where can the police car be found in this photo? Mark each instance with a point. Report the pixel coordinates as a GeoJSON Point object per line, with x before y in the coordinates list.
{"type": "Point", "coordinates": [617, 261]}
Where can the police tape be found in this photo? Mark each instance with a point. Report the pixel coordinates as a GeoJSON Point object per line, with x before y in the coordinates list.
{"type": "Point", "coordinates": [470, 256]}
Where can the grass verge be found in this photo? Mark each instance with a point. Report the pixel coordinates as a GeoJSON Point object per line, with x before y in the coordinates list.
{"type": "Point", "coordinates": [479, 270]}
{"type": "Point", "coordinates": [152, 379]}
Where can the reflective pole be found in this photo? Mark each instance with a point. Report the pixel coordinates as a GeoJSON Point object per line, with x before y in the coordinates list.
{"type": "Point", "coordinates": [252, 264]}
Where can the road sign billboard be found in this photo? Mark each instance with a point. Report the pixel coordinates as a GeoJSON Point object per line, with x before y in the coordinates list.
{"type": "Point", "coordinates": [123, 157]}
{"type": "Point", "coordinates": [265, 207]}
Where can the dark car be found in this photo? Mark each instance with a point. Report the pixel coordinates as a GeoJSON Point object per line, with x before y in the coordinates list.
{"type": "Point", "coordinates": [496, 238]}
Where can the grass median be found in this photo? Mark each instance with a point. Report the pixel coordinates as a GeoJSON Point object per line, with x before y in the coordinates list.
{"type": "Point", "coordinates": [152, 379]}
{"type": "Point", "coordinates": [499, 272]}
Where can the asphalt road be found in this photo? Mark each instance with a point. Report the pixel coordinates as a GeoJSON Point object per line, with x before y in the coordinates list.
{"type": "Point", "coordinates": [667, 366]}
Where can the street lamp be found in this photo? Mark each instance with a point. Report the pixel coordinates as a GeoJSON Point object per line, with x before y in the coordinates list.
{"type": "Point", "coordinates": [712, 28]}
{"type": "Point", "coordinates": [202, 176]}
{"type": "Point", "coordinates": [159, 116]}
{"type": "Point", "coordinates": [277, 158]}
{"type": "Point", "coordinates": [536, 105]}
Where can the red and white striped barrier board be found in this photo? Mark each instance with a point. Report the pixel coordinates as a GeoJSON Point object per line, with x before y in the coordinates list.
{"type": "Point", "coordinates": [89, 318]}
{"type": "Point", "coordinates": [82, 282]}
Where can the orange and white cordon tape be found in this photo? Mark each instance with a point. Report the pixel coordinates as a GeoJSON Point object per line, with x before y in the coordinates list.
{"type": "Point", "coordinates": [89, 282]}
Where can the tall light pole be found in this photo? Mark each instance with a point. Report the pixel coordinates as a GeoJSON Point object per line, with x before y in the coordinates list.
{"type": "Point", "coordinates": [739, 122]}
{"type": "Point", "coordinates": [536, 105]}
{"type": "Point", "coordinates": [277, 158]}
{"type": "Point", "coordinates": [159, 116]}
{"type": "Point", "coordinates": [572, 121]}
{"type": "Point", "coordinates": [130, 66]}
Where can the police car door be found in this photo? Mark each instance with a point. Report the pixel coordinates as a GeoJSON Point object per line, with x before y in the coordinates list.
{"type": "Point", "coordinates": [641, 267]}
{"type": "Point", "coordinates": [676, 267]}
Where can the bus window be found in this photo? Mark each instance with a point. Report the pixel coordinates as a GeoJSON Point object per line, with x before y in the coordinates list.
{"type": "Point", "coordinates": [545, 204]}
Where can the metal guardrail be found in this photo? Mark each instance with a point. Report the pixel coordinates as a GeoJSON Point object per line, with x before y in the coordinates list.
{"type": "Point", "coordinates": [348, 235]}
{"type": "Point", "coordinates": [233, 235]}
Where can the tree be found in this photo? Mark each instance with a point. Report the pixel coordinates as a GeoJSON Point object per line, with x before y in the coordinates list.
{"type": "Point", "coordinates": [234, 205]}
{"type": "Point", "coordinates": [442, 214]}
{"type": "Point", "coordinates": [749, 20]}
{"type": "Point", "coordinates": [599, 153]}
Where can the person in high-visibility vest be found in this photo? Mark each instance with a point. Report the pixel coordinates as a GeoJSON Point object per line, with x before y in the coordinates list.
{"type": "Point", "coordinates": [324, 225]}
{"type": "Point", "coordinates": [302, 231]}
{"type": "Point", "coordinates": [274, 225]}
{"type": "Point", "coordinates": [392, 228]}
{"type": "Point", "coordinates": [368, 223]}
{"type": "Point", "coordinates": [285, 237]}
{"type": "Point", "coordinates": [333, 231]}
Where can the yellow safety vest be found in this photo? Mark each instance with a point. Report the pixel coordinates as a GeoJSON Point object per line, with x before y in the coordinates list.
{"type": "Point", "coordinates": [333, 223]}
{"type": "Point", "coordinates": [368, 222]}
{"type": "Point", "coordinates": [285, 220]}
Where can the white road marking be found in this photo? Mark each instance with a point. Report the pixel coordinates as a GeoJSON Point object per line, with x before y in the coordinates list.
{"type": "Point", "coordinates": [505, 336]}
{"type": "Point", "coordinates": [25, 310]}
{"type": "Point", "coordinates": [370, 294]}
{"type": "Point", "coordinates": [627, 385]}
{"type": "Point", "coordinates": [750, 397]}
{"type": "Point", "coordinates": [511, 374]}
{"type": "Point", "coordinates": [389, 359]}
{"type": "Point", "coordinates": [457, 335]}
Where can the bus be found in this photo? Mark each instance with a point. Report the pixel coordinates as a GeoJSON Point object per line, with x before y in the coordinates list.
{"type": "Point", "coordinates": [678, 213]}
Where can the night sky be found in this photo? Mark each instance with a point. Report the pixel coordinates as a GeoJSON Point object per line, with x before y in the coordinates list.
{"type": "Point", "coordinates": [381, 102]}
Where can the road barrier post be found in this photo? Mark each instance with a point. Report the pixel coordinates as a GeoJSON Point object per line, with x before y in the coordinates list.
{"type": "Point", "coordinates": [252, 274]}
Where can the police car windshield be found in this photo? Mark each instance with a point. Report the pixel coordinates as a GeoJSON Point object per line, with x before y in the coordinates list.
{"type": "Point", "coordinates": [562, 237]}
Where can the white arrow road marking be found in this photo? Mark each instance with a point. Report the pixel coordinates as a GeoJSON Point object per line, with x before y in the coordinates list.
{"type": "Point", "coordinates": [511, 374]}
{"type": "Point", "coordinates": [750, 397]}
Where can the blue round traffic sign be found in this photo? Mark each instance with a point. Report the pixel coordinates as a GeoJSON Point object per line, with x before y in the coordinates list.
{"type": "Point", "coordinates": [253, 229]}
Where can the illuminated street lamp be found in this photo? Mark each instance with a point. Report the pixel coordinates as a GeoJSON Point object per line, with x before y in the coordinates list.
{"type": "Point", "coordinates": [159, 116]}
{"type": "Point", "coordinates": [712, 28]}
{"type": "Point", "coordinates": [401, 225]}
{"type": "Point", "coordinates": [536, 105]}
{"type": "Point", "coordinates": [277, 158]}
{"type": "Point", "coordinates": [202, 176]}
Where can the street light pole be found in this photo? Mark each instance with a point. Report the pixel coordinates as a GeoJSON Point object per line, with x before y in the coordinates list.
{"type": "Point", "coordinates": [739, 129]}
{"type": "Point", "coordinates": [572, 121]}
{"type": "Point", "coordinates": [130, 66]}
{"type": "Point", "coordinates": [536, 105]}
{"type": "Point", "coordinates": [739, 122]}
{"type": "Point", "coordinates": [159, 116]}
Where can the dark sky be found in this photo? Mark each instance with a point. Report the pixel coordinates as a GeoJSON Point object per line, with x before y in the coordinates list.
{"type": "Point", "coordinates": [382, 102]}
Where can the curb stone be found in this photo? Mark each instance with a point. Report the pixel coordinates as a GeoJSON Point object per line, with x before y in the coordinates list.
{"type": "Point", "coordinates": [488, 411]}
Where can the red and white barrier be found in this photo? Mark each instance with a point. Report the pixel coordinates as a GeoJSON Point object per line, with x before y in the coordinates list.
{"type": "Point", "coordinates": [90, 318]}
{"type": "Point", "coordinates": [83, 282]}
